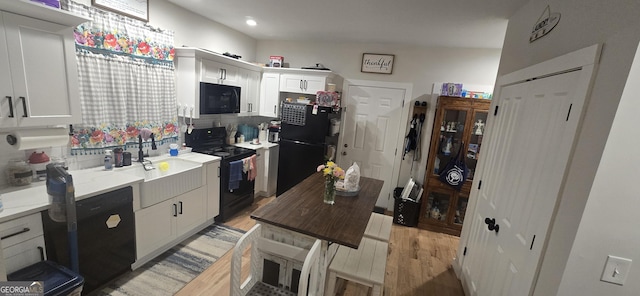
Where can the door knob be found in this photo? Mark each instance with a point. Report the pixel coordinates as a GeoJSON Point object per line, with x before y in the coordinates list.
{"type": "Point", "coordinates": [491, 224]}
{"type": "Point", "coordinates": [344, 152]}
{"type": "Point", "coordinates": [495, 228]}
{"type": "Point", "coordinates": [345, 145]}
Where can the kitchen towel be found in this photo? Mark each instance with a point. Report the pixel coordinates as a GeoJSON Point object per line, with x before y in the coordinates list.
{"type": "Point", "coordinates": [253, 169]}
{"type": "Point", "coordinates": [235, 174]}
{"type": "Point", "coordinates": [38, 138]}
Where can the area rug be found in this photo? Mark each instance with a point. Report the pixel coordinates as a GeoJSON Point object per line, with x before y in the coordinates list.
{"type": "Point", "coordinates": [172, 270]}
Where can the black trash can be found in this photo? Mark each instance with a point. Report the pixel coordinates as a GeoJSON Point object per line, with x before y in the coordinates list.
{"type": "Point", "coordinates": [57, 279]}
{"type": "Point", "coordinates": [405, 212]}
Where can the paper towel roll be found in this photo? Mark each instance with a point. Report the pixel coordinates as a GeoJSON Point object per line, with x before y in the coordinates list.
{"type": "Point", "coordinates": [38, 138]}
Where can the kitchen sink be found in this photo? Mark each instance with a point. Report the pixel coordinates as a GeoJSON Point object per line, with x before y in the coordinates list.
{"type": "Point", "coordinates": [165, 178]}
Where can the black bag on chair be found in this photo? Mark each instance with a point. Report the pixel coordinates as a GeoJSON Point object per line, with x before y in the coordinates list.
{"type": "Point", "coordinates": [455, 172]}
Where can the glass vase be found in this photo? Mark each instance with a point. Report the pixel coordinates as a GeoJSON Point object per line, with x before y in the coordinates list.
{"type": "Point", "coordinates": [329, 191]}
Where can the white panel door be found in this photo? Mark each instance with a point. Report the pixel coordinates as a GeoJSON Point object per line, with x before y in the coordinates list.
{"type": "Point", "coordinates": [529, 147]}
{"type": "Point", "coordinates": [371, 126]}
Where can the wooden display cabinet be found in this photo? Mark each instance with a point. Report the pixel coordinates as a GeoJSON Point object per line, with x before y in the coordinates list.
{"type": "Point", "coordinates": [457, 121]}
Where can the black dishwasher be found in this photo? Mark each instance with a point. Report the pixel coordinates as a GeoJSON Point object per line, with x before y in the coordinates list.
{"type": "Point", "coordinates": [106, 237]}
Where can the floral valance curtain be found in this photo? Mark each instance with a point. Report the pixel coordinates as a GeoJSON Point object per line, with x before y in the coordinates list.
{"type": "Point", "coordinates": [127, 83]}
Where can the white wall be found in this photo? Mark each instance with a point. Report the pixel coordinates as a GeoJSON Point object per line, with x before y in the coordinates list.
{"type": "Point", "coordinates": [586, 226]}
{"type": "Point", "coordinates": [196, 31]}
{"type": "Point", "coordinates": [609, 223]}
{"type": "Point", "coordinates": [420, 66]}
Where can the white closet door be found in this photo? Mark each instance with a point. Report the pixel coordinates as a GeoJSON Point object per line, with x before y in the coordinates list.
{"type": "Point", "coordinates": [529, 148]}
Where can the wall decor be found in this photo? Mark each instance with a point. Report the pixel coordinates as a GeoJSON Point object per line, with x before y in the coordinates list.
{"type": "Point", "coordinates": [377, 63]}
{"type": "Point", "coordinates": [138, 9]}
{"type": "Point", "coordinates": [545, 24]}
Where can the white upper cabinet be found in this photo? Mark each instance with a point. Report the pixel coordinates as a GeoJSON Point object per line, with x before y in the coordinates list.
{"type": "Point", "coordinates": [250, 92]}
{"type": "Point", "coordinates": [269, 94]}
{"type": "Point", "coordinates": [259, 87]}
{"type": "Point", "coordinates": [39, 84]}
{"type": "Point", "coordinates": [215, 72]}
{"type": "Point", "coordinates": [194, 65]}
{"type": "Point", "coordinates": [303, 83]}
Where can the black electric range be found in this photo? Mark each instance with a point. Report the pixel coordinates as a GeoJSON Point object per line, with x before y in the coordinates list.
{"type": "Point", "coordinates": [211, 141]}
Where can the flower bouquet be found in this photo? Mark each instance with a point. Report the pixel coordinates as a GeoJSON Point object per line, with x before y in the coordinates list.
{"type": "Point", "coordinates": [331, 173]}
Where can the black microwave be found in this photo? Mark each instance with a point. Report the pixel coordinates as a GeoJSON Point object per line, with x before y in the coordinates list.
{"type": "Point", "coordinates": [219, 98]}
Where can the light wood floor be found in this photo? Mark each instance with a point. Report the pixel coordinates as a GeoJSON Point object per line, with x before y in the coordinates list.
{"type": "Point", "coordinates": [419, 263]}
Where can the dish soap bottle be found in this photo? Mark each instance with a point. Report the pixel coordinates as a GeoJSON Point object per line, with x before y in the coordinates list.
{"type": "Point", "coordinates": [107, 160]}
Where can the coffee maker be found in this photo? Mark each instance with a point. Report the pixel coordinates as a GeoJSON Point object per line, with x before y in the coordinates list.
{"type": "Point", "coordinates": [274, 134]}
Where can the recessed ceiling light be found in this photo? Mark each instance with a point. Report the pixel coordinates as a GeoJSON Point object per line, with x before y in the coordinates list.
{"type": "Point", "coordinates": [251, 22]}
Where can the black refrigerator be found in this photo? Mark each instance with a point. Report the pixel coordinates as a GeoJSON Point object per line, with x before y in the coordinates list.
{"type": "Point", "coordinates": [302, 143]}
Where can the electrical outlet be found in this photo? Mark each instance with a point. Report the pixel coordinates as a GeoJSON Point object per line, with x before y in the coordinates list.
{"type": "Point", "coordinates": [616, 270]}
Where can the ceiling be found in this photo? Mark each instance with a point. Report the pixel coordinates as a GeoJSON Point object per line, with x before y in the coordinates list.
{"type": "Point", "coordinates": [439, 23]}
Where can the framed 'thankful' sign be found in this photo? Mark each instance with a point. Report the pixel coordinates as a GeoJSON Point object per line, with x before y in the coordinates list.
{"type": "Point", "coordinates": [377, 63]}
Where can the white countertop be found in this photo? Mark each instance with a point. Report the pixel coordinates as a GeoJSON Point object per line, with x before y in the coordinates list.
{"type": "Point", "coordinates": [262, 145]}
{"type": "Point", "coordinates": [22, 201]}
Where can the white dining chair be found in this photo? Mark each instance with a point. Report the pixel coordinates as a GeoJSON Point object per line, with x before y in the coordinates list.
{"type": "Point", "coordinates": [263, 248]}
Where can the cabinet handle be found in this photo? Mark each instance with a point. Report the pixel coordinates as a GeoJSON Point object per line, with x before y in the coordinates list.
{"type": "Point", "coordinates": [301, 87]}
{"type": "Point", "coordinates": [306, 83]}
{"type": "Point", "coordinates": [180, 208]}
{"type": "Point", "coordinates": [41, 249]}
{"type": "Point", "coordinates": [175, 210]}
{"type": "Point", "coordinates": [221, 74]}
{"type": "Point", "coordinates": [24, 106]}
{"type": "Point", "coordinates": [10, 106]}
{"type": "Point", "coordinates": [26, 229]}
{"type": "Point", "coordinates": [274, 109]}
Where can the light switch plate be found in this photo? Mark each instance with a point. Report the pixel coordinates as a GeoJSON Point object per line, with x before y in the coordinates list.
{"type": "Point", "coordinates": [616, 270]}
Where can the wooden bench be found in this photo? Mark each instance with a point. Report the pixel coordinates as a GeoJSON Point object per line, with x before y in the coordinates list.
{"type": "Point", "coordinates": [365, 265]}
{"type": "Point", "coordinates": [379, 227]}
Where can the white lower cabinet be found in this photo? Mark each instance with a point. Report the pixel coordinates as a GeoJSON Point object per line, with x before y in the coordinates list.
{"type": "Point", "coordinates": [271, 169]}
{"type": "Point", "coordinates": [260, 184]}
{"type": "Point", "coordinates": [160, 224]}
{"type": "Point", "coordinates": [267, 176]}
{"type": "Point", "coordinates": [24, 254]}
{"type": "Point", "coordinates": [213, 190]}
{"type": "Point", "coordinates": [22, 242]}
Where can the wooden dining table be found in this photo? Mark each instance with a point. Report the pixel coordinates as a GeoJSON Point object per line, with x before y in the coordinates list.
{"type": "Point", "coordinates": [300, 214]}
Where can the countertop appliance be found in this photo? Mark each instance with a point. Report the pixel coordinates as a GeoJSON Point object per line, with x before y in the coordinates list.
{"type": "Point", "coordinates": [274, 134]}
{"type": "Point", "coordinates": [106, 237]}
{"type": "Point", "coordinates": [219, 98]}
{"type": "Point", "coordinates": [212, 141]}
{"type": "Point", "coordinates": [302, 135]}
